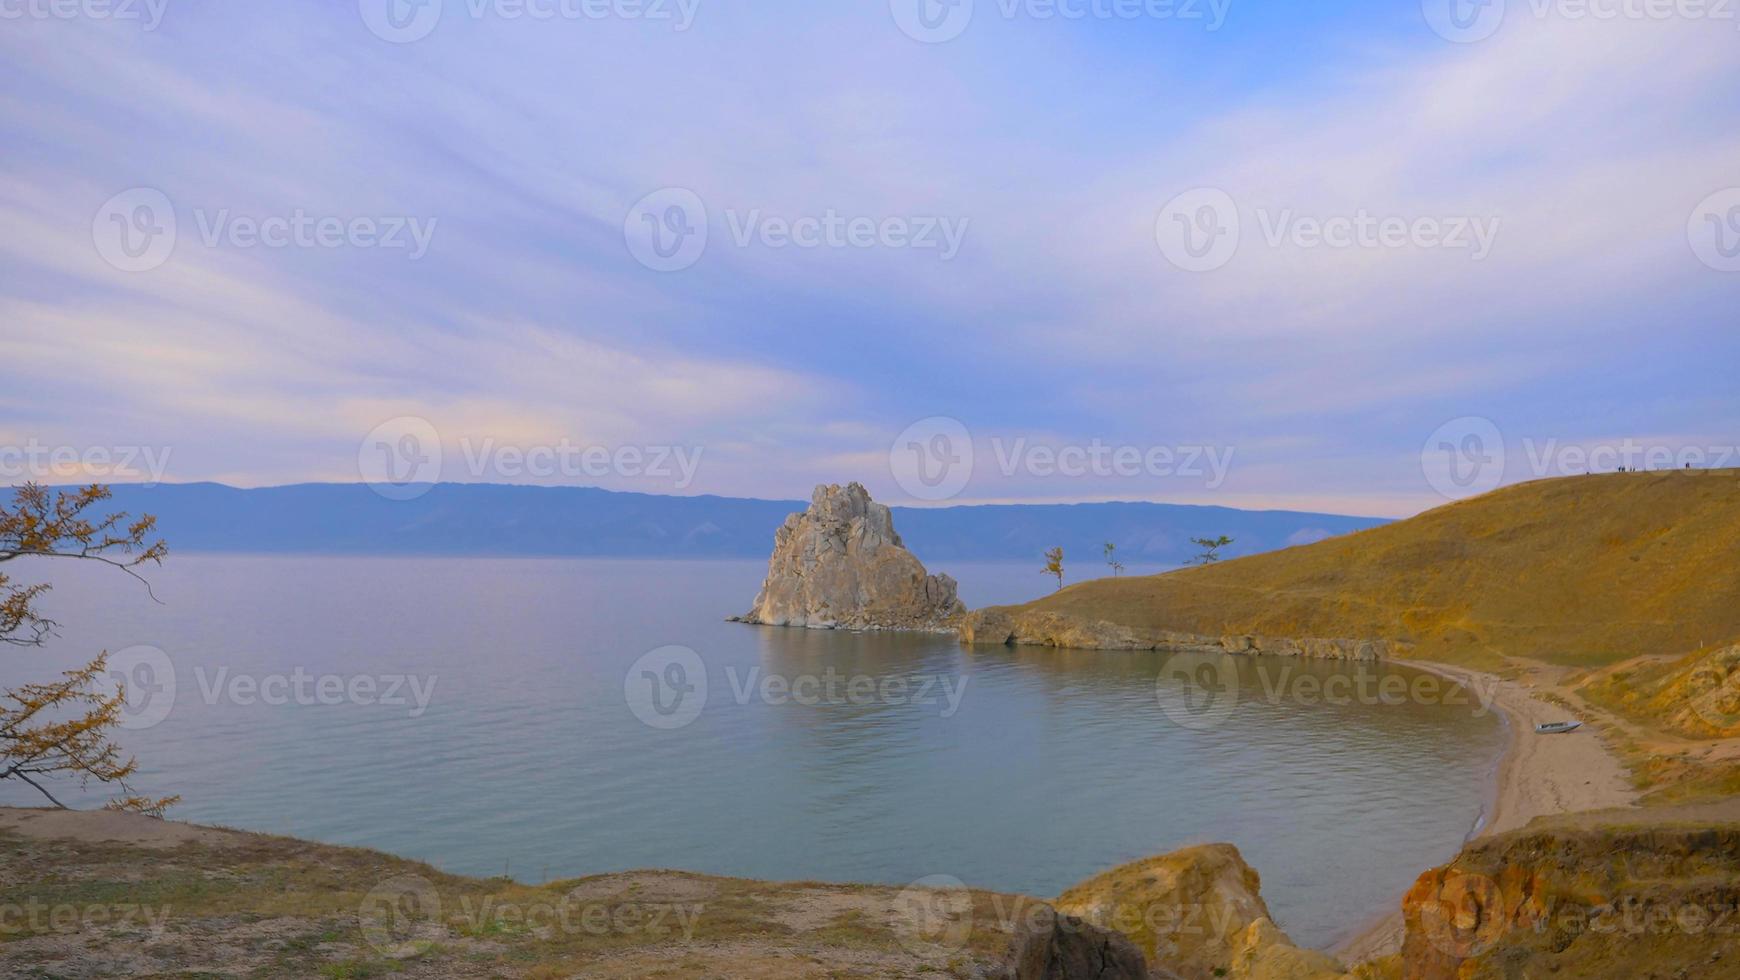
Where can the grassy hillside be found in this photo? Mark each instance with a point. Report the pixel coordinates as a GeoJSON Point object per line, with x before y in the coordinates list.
{"type": "Point", "coordinates": [1586, 571]}
{"type": "Point", "coordinates": [1697, 696]}
{"type": "Point", "coordinates": [105, 894]}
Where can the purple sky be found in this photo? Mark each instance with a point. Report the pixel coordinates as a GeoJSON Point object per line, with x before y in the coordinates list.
{"type": "Point", "coordinates": [270, 243]}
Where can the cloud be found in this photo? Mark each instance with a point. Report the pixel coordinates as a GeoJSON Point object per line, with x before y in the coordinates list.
{"type": "Point", "coordinates": [524, 144]}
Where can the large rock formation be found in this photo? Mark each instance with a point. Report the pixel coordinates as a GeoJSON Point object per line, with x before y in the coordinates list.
{"type": "Point", "coordinates": [840, 564]}
{"type": "Point", "coordinates": [1196, 914]}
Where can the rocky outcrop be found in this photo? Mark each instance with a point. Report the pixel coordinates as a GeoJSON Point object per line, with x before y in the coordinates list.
{"type": "Point", "coordinates": [1051, 946]}
{"type": "Point", "coordinates": [1198, 914]}
{"type": "Point", "coordinates": [1619, 894]}
{"type": "Point", "coordinates": [1265, 953]}
{"type": "Point", "coordinates": [840, 564]}
{"type": "Point", "coordinates": [1000, 626]}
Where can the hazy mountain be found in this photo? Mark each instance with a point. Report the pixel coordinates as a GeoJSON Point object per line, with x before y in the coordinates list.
{"type": "Point", "coordinates": [495, 519]}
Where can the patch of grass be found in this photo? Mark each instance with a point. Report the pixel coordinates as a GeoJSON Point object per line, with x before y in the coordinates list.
{"type": "Point", "coordinates": [359, 969]}
{"type": "Point", "coordinates": [1696, 783]}
{"type": "Point", "coordinates": [853, 929]}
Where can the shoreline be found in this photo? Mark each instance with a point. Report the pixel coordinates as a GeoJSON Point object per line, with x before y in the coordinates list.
{"type": "Point", "coordinates": [1535, 776]}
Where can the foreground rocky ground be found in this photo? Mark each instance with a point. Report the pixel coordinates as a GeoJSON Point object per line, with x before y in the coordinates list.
{"type": "Point", "coordinates": [100, 894]}
{"type": "Point", "coordinates": [1651, 893]}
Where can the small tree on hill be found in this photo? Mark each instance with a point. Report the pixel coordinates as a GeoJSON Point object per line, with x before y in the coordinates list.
{"type": "Point", "coordinates": [1112, 559]}
{"type": "Point", "coordinates": [1054, 564]}
{"type": "Point", "coordinates": [1210, 549]}
{"type": "Point", "coordinates": [65, 727]}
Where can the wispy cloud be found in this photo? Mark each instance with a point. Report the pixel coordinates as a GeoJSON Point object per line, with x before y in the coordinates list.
{"type": "Point", "coordinates": [522, 146]}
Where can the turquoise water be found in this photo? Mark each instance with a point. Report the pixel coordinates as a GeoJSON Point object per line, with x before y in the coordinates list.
{"type": "Point", "coordinates": [484, 718]}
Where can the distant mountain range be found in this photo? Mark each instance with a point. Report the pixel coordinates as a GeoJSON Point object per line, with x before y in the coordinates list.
{"type": "Point", "coordinates": [497, 519]}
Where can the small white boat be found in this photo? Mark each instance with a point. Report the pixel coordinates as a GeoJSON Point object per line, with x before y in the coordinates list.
{"type": "Point", "coordinates": [1555, 727]}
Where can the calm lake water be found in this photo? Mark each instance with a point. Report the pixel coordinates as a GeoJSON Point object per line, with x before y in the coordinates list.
{"type": "Point", "coordinates": [1019, 770]}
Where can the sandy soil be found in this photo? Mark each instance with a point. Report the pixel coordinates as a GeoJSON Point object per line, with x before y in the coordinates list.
{"type": "Point", "coordinates": [1540, 775]}
{"type": "Point", "coordinates": [97, 826]}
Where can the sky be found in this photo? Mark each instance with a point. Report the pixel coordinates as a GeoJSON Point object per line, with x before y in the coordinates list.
{"type": "Point", "coordinates": [1360, 258]}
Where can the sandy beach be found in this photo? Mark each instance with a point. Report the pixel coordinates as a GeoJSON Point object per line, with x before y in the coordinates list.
{"type": "Point", "coordinates": [1539, 775]}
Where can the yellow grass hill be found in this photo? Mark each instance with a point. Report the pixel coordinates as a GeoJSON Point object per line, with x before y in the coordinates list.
{"type": "Point", "coordinates": [1583, 571]}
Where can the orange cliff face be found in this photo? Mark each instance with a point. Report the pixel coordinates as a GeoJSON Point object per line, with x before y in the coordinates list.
{"type": "Point", "coordinates": [1615, 894]}
{"type": "Point", "coordinates": [1454, 916]}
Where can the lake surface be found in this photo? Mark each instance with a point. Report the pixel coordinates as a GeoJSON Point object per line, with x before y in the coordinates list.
{"type": "Point", "coordinates": [504, 715]}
